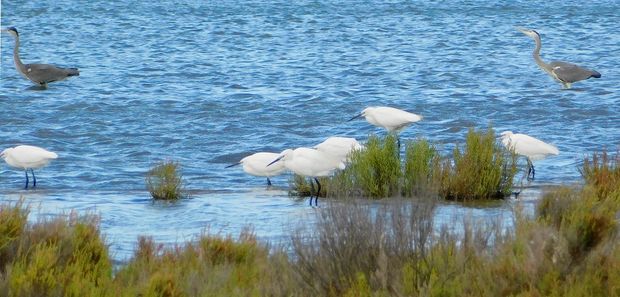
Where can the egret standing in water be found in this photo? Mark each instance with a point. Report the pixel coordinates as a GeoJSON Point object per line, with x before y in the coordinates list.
{"type": "Point", "coordinates": [27, 157]}
{"type": "Point", "coordinates": [40, 74]}
{"type": "Point", "coordinates": [256, 165]}
{"type": "Point", "coordinates": [389, 118]}
{"type": "Point", "coordinates": [532, 148]}
{"type": "Point", "coordinates": [311, 163]}
{"type": "Point", "coordinates": [339, 147]}
{"type": "Point", "coordinates": [565, 73]}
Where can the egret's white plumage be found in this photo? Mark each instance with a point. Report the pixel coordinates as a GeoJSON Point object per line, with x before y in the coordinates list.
{"type": "Point", "coordinates": [310, 163]}
{"type": "Point", "coordinates": [27, 157]}
{"type": "Point", "coordinates": [389, 118]}
{"type": "Point", "coordinates": [339, 147]}
{"type": "Point", "coordinates": [256, 165]}
{"type": "Point", "coordinates": [532, 148]}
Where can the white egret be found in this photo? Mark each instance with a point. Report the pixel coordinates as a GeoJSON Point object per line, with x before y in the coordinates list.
{"type": "Point", "coordinates": [310, 163]}
{"type": "Point", "coordinates": [256, 165]}
{"type": "Point", "coordinates": [339, 147]}
{"type": "Point", "coordinates": [27, 157]}
{"type": "Point", "coordinates": [389, 118]}
{"type": "Point", "coordinates": [532, 148]}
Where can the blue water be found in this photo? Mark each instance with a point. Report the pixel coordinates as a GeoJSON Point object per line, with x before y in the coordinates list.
{"type": "Point", "coordinates": [206, 83]}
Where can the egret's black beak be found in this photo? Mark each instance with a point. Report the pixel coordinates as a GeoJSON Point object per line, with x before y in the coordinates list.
{"type": "Point", "coordinates": [276, 160]}
{"type": "Point", "coordinates": [233, 165]}
{"type": "Point", "coordinates": [355, 117]}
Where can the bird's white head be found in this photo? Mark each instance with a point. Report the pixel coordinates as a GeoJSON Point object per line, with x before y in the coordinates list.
{"type": "Point", "coordinates": [362, 114]}
{"type": "Point", "coordinates": [284, 155]}
{"type": "Point", "coordinates": [531, 33]}
{"type": "Point", "coordinates": [4, 153]}
{"type": "Point", "coordinates": [506, 134]}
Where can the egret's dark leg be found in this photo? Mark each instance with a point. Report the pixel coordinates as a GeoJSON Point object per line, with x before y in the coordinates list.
{"type": "Point", "coordinates": [316, 200]}
{"type": "Point", "coordinates": [34, 179]}
{"type": "Point", "coordinates": [533, 172]}
{"type": "Point", "coordinates": [529, 169]}
{"type": "Point", "coordinates": [26, 187]}
{"type": "Point", "coordinates": [311, 190]}
{"type": "Point", "coordinates": [398, 141]}
{"type": "Point", "coordinates": [268, 182]}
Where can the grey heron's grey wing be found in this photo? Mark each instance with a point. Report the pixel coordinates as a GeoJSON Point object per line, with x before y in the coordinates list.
{"type": "Point", "coordinates": [46, 73]}
{"type": "Point", "coordinates": [570, 73]}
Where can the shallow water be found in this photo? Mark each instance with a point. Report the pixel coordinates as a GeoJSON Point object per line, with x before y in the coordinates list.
{"type": "Point", "coordinates": [208, 83]}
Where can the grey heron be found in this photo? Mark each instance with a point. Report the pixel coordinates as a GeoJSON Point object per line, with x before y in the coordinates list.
{"type": "Point", "coordinates": [565, 73]}
{"type": "Point", "coordinates": [40, 74]}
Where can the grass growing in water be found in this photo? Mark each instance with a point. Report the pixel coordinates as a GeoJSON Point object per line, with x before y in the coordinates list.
{"type": "Point", "coordinates": [375, 171]}
{"type": "Point", "coordinates": [483, 169]}
{"type": "Point", "coordinates": [164, 181]}
{"type": "Point", "coordinates": [422, 171]}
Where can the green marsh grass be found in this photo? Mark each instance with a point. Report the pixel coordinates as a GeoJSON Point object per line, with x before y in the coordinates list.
{"type": "Point", "coordinates": [422, 170]}
{"type": "Point", "coordinates": [482, 169]}
{"type": "Point", "coordinates": [164, 181]}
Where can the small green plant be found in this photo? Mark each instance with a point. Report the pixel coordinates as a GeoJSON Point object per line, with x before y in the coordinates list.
{"type": "Point", "coordinates": [483, 169]}
{"type": "Point", "coordinates": [376, 169]}
{"type": "Point", "coordinates": [164, 181]}
{"type": "Point", "coordinates": [422, 169]}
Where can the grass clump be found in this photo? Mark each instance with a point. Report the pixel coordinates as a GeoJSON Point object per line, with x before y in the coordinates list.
{"type": "Point", "coordinates": [602, 172]}
{"type": "Point", "coordinates": [164, 181]}
{"type": "Point", "coordinates": [375, 171]}
{"type": "Point", "coordinates": [422, 170]}
{"type": "Point", "coordinates": [483, 169]}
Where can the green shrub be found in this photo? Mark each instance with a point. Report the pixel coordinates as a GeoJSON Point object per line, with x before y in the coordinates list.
{"type": "Point", "coordinates": [483, 169]}
{"type": "Point", "coordinates": [65, 256]}
{"type": "Point", "coordinates": [422, 169]}
{"type": "Point", "coordinates": [375, 171]}
{"type": "Point", "coordinates": [164, 181]}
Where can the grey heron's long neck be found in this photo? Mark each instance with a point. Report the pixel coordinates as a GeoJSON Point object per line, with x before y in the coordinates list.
{"type": "Point", "coordinates": [18, 61]}
{"type": "Point", "coordinates": [536, 54]}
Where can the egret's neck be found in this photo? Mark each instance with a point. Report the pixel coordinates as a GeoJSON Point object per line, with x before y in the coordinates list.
{"type": "Point", "coordinates": [536, 55]}
{"type": "Point", "coordinates": [18, 62]}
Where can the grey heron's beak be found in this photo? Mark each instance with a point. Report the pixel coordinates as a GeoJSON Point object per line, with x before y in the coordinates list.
{"type": "Point", "coordinates": [355, 117]}
{"type": "Point", "coordinates": [276, 160]}
{"type": "Point", "coordinates": [233, 165]}
{"type": "Point", "coordinates": [524, 30]}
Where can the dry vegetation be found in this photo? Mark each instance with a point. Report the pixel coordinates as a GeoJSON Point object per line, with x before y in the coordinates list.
{"type": "Point", "coordinates": [569, 247]}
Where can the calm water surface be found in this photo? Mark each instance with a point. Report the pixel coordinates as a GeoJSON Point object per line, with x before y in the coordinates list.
{"type": "Point", "coordinates": [206, 83]}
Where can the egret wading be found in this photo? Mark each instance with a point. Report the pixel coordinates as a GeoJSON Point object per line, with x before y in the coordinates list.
{"type": "Point", "coordinates": [565, 73]}
{"type": "Point", "coordinates": [311, 163]}
{"type": "Point", "coordinates": [256, 165]}
{"type": "Point", "coordinates": [389, 118]}
{"type": "Point", "coordinates": [40, 74]}
{"type": "Point", "coordinates": [339, 147]}
{"type": "Point", "coordinates": [27, 157]}
{"type": "Point", "coordinates": [532, 148]}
